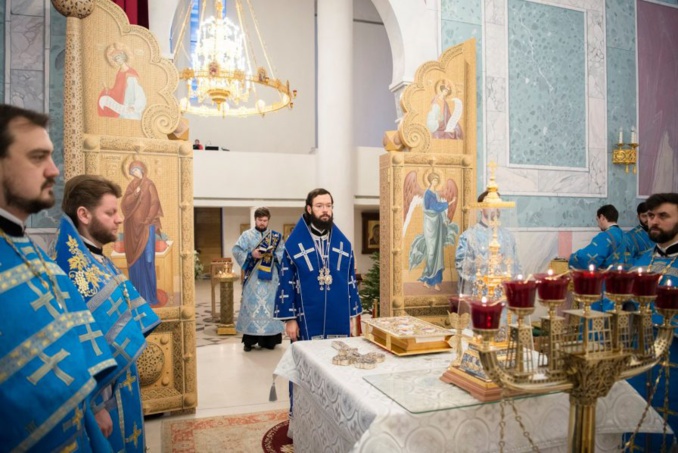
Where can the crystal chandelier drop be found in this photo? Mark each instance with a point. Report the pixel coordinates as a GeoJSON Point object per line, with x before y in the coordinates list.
{"type": "Point", "coordinates": [221, 81]}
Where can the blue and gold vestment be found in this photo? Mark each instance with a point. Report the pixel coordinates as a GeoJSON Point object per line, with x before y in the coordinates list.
{"type": "Point", "coordinates": [637, 243]}
{"type": "Point", "coordinates": [322, 311]}
{"type": "Point", "coordinates": [52, 354]}
{"type": "Point", "coordinates": [606, 248]}
{"type": "Point", "coordinates": [125, 318]}
{"type": "Point", "coordinates": [665, 263]}
{"type": "Point", "coordinates": [260, 283]}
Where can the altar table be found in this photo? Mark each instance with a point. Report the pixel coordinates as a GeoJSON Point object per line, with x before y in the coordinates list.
{"type": "Point", "coordinates": [337, 410]}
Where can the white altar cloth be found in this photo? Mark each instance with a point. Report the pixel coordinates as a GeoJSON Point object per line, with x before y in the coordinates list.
{"type": "Point", "coordinates": [336, 410]}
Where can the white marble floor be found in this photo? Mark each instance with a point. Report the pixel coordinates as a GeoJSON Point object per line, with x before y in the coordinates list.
{"type": "Point", "coordinates": [230, 381]}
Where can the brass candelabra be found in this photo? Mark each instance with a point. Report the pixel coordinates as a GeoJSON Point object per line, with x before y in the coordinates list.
{"type": "Point", "coordinates": [583, 353]}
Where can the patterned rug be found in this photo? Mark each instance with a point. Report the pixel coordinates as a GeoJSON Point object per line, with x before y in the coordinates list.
{"type": "Point", "coordinates": [276, 441]}
{"type": "Point", "coordinates": [233, 433]}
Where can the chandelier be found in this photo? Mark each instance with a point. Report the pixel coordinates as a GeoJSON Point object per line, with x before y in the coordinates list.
{"type": "Point", "coordinates": [221, 80]}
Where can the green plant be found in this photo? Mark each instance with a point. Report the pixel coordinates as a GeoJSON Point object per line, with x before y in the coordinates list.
{"type": "Point", "coordinates": [370, 285]}
{"type": "Point", "coordinates": [198, 267]}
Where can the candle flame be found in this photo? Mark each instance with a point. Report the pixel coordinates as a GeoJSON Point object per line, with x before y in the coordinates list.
{"type": "Point", "coordinates": [619, 268]}
{"type": "Point", "coordinates": [640, 270]}
{"type": "Point", "coordinates": [592, 267]}
{"type": "Point", "coordinates": [519, 277]}
{"type": "Point", "coordinates": [550, 272]}
{"type": "Point", "coordinates": [483, 300]}
{"type": "Point", "coordinates": [668, 283]}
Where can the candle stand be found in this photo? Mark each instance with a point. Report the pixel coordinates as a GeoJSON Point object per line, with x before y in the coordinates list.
{"type": "Point", "coordinates": [585, 353]}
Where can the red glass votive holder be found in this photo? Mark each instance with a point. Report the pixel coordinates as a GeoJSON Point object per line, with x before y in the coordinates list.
{"type": "Point", "coordinates": [667, 297]}
{"type": "Point", "coordinates": [619, 282]}
{"type": "Point", "coordinates": [588, 283]}
{"type": "Point", "coordinates": [485, 316]}
{"type": "Point", "coordinates": [645, 284]}
{"type": "Point", "coordinates": [551, 287]}
{"type": "Point", "coordinates": [520, 293]}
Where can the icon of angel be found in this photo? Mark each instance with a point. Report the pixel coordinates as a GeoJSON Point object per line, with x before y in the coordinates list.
{"type": "Point", "coordinates": [445, 112]}
{"type": "Point", "coordinates": [438, 202]}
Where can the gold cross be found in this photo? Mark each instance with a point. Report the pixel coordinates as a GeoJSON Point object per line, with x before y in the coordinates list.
{"type": "Point", "coordinates": [129, 380]}
{"type": "Point", "coordinates": [75, 421]}
{"type": "Point", "coordinates": [134, 436]}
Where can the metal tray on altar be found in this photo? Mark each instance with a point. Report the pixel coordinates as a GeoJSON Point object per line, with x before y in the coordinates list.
{"type": "Point", "coordinates": [406, 335]}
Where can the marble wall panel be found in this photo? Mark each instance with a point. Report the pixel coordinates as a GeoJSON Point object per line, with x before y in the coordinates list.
{"type": "Point", "coordinates": [466, 11]}
{"type": "Point", "coordinates": [547, 84]}
{"type": "Point", "coordinates": [28, 7]}
{"type": "Point", "coordinates": [27, 37]}
{"type": "Point", "coordinates": [621, 18]}
{"type": "Point", "coordinates": [27, 89]}
{"type": "Point", "coordinates": [593, 28]}
{"type": "Point", "coordinates": [536, 249]}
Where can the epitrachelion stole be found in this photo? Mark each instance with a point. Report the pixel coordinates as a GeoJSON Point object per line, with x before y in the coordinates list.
{"type": "Point", "coordinates": [119, 110]}
{"type": "Point", "coordinates": [426, 178]}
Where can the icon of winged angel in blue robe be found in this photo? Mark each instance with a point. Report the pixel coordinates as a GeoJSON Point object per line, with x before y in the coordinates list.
{"type": "Point", "coordinates": [439, 231]}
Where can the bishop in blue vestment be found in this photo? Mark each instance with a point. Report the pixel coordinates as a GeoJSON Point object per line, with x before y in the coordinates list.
{"type": "Point", "coordinates": [317, 277]}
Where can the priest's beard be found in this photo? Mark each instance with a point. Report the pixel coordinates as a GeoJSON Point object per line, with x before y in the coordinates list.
{"type": "Point", "coordinates": [322, 223]}
{"type": "Point", "coordinates": [100, 233]}
{"type": "Point", "coordinates": [661, 236]}
{"type": "Point", "coordinates": [28, 205]}
{"type": "Point", "coordinates": [260, 230]}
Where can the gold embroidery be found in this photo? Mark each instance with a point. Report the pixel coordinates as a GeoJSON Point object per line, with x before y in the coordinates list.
{"type": "Point", "coordinates": [86, 276]}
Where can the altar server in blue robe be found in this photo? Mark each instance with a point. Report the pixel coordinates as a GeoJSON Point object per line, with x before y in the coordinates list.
{"type": "Point", "coordinates": [662, 259]}
{"type": "Point", "coordinates": [52, 352]}
{"type": "Point", "coordinates": [91, 221]}
{"type": "Point", "coordinates": [259, 252]}
{"type": "Point", "coordinates": [637, 239]}
{"type": "Point", "coordinates": [317, 296]}
{"type": "Point", "coordinates": [607, 247]}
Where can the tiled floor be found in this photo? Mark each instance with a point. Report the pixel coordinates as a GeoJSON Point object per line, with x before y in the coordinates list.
{"type": "Point", "coordinates": [230, 381]}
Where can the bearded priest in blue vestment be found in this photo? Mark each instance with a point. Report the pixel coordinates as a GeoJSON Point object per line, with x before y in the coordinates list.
{"type": "Point", "coordinates": [259, 252]}
{"type": "Point", "coordinates": [91, 221]}
{"type": "Point", "coordinates": [53, 355]}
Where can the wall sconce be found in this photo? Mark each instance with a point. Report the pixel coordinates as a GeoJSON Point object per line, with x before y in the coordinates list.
{"type": "Point", "coordinates": [626, 154]}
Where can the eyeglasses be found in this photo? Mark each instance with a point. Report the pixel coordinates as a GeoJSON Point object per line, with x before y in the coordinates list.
{"type": "Point", "coordinates": [321, 206]}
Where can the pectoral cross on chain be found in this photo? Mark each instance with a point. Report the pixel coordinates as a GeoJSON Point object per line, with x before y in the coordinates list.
{"type": "Point", "coordinates": [324, 278]}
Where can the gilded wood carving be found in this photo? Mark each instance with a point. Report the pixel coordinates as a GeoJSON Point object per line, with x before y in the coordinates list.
{"type": "Point", "coordinates": [427, 177]}
{"type": "Point", "coordinates": [118, 125]}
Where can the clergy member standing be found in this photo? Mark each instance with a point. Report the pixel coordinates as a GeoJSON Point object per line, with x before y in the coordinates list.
{"type": "Point", "coordinates": [662, 226]}
{"type": "Point", "coordinates": [317, 296]}
{"type": "Point", "coordinates": [91, 221]}
{"type": "Point", "coordinates": [52, 352]}
{"type": "Point", "coordinates": [637, 239]}
{"type": "Point", "coordinates": [472, 255]}
{"type": "Point", "coordinates": [607, 248]}
{"type": "Point", "coordinates": [259, 252]}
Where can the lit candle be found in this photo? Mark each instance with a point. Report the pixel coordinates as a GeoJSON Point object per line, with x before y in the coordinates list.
{"type": "Point", "coordinates": [667, 296]}
{"type": "Point", "coordinates": [619, 281]}
{"type": "Point", "coordinates": [621, 136]}
{"type": "Point", "coordinates": [633, 134]}
{"type": "Point", "coordinates": [550, 287]}
{"type": "Point", "coordinates": [485, 316]}
{"type": "Point", "coordinates": [588, 282]}
{"type": "Point", "coordinates": [645, 284]}
{"type": "Point", "coordinates": [520, 293]}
